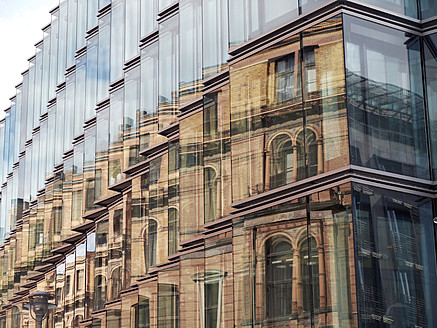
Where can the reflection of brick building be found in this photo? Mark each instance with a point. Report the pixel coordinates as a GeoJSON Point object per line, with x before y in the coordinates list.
{"type": "Point", "coordinates": [186, 167]}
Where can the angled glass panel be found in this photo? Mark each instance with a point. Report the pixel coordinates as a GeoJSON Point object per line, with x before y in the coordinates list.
{"type": "Point", "coordinates": [385, 99]}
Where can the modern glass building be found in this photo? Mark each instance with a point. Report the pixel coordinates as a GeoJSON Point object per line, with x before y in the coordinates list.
{"type": "Point", "coordinates": [224, 163]}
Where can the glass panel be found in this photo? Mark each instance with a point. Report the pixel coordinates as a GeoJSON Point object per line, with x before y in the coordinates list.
{"type": "Point", "coordinates": [92, 14]}
{"type": "Point", "coordinates": [43, 154]}
{"type": "Point", "coordinates": [131, 115]}
{"type": "Point", "coordinates": [430, 55]}
{"type": "Point", "coordinates": [117, 39]}
{"type": "Point", "coordinates": [90, 262]}
{"type": "Point", "coordinates": [191, 176]}
{"type": "Point", "coordinates": [385, 99]}
{"type": "Point", "coordinates": [71, 32]}
{"type": "Point", "coordinates": [100, 265]}
{"type": "Point", "coordinates": [266, 106]}
{"type": "Point", "coordinates": [38, 84]}
{"type": "Point", "coordinates": [215, 36]}
{"type": "Point", "coordinates": [102, 141]}
{"type": "Point", "coordinates": [249, 19]}
{"type": "Point", "coordinates": [30, 99]}
{"type": "Point", "coordinates": [216, 155]}
{"type": "Point", "coordinates": [50, 155]}
{"type": "Point", "coordinates": [404, 7]}
{"type": "Point", "coordinates": [395, 244]}
{"type": "Point", "coordinates": [168, 306]}
{"type": "Point", "coordinates": [60, 112]}
{"type": "Point", "coordinates": [103, 57]}
{"type": "Point", "coordinates": [149, 97]}
{"type": "Point", "coordinates": [62, 41]}
{"type": "Point", "coordinates": [190, 40]}
{"type": "Point", "coordinates": [132, 29]}
{"type": "Point", "coordinates": [80, 96]}
{"type": "Point", "coordinates": [69, 111]}
{"type": "Point", "coordinates": [91, 76]}
{"type": "Point", "coordinates": [116, 137]}
{"type": "Point", "coordinates": [81, 23]}
{"type": "Point", "coordinates": [428, 8]}
{"type": "Point", "coordinates": [89, 167]}
{"type": "Point", "coordinates": [165, 3]}
{"type": "Point", "coordinates": [149, 10]}
{"type": "Point", "coordinates": [54, 37]}
{"type": "Point", "coordinates": [168, 71]}
{"type": "Point", "coordinates": [45, 70]}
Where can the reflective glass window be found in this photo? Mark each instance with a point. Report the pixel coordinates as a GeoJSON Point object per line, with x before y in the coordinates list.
{"type": "Point", "coordinates": [395, 247]}
{"type": "Point", "coordinates": [385, 99]}
{"type": "Point", "coordinates": [168, 71]}
{"type": "Point", "coordinates": [117, 38]}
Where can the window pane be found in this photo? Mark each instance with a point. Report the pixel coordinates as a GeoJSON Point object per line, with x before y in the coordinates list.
{"type": "Point", "coordinates": [385, 99]}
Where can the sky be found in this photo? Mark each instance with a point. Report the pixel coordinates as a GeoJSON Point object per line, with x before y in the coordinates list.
{"type": "Point", "coordinates": [21, 22]}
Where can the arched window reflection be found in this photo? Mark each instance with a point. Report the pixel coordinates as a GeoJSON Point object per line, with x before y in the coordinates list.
{"type": "Point", "coordinates": [99, 292]}
{"type": "Point", "coordinates": [307, 152]}
{"type": "Point", "coordinates": [115, 283]}
{"type": "Point", "coordinates": [279, 270]}
{"type": "Point", "coordinates": [150, 244]}
{"type": "Point", "coordinates": [281, 161]}
{"type": "Point", "coordinates": [16, 317]}
{"type": "Point", "coordinates": [309, 261]}
{"type": "Point", "coordinates": [210, 194]}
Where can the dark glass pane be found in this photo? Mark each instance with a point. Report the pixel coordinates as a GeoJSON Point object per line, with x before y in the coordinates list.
{"type": "Point", "coordinates": [395, 247]}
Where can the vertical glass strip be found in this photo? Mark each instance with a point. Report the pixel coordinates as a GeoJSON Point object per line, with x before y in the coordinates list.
{"type": "Point", "coordinates": [168, 78]}
{"type": "Point", "coordinates": [103, 57]}
{"type": "Point", "coordinates": [117, 39]}
{"type": "Point", "coordinates": [190, 34]}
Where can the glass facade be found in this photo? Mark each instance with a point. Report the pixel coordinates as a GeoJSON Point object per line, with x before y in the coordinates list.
{"type": "Point", "coordinates": [221, 163]}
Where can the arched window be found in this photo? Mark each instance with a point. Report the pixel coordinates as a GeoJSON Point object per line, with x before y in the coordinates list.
{"type": "Point", "coordinates": [279, 270]}
{"type": "Point", "coordinates": [150, 244]}
{"type": "Point", "coordinates": [115, 283]}
{"type": "Point", "coordinates": [99, 292]}
{"type": "Point", "coordinates": [309, 261]}
{"type": "Point", "coordinates": [210, 194]}
{"type": "Point", "coordinates": [281, 161]}
{"type": "Point", "coordinates": [307, 154]}
{"type": "Point", "coordinates": [16, 317]}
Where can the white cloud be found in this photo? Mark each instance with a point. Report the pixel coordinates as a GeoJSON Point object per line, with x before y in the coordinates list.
{"type": "Point", "coordinates": [19, 33]}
